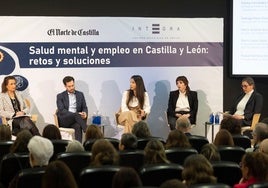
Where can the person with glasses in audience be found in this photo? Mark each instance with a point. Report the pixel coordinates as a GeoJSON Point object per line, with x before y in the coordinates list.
{"type": "Point", "coordinates": [247, 103]}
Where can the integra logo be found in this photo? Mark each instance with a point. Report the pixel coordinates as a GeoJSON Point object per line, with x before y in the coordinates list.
{"type": "Point", "coordinates": [155, 28]}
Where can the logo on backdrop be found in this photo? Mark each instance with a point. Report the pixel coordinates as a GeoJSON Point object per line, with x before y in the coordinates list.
{"type": "Point", "coordinates": [7, 63]}
{"type": "Point", "coordinates": [155, 28]}
{"type": "Point", "coordinates": [22, 82]}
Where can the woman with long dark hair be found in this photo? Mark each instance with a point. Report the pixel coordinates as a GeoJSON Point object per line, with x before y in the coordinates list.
{"type": "Point", "coordinates": [135, 105]}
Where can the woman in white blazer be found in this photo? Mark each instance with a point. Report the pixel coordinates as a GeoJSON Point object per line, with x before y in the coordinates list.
{"type": "Point", "coordinates": [13, 107]}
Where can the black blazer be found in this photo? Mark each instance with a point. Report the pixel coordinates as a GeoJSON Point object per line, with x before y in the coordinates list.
{"type": "Point", "coordinates": [63, 103]}
{"type": "Point", "coordinates": [254, 105]}
{"type": "Point", "coordinates": [193, 102]}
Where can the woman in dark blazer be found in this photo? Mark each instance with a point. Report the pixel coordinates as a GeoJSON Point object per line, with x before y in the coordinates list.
{"type": "Point", "coordinates": [182, 102]}
{"type": "Point", "coordinates": [247, 103]}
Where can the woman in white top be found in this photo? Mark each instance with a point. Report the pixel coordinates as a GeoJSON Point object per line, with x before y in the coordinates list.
{"type": "Point", "coordinates": [135, 105]}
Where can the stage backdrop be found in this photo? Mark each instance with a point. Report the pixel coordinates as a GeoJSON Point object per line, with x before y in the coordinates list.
{"type": "Point", "coordinates": [102, 53]}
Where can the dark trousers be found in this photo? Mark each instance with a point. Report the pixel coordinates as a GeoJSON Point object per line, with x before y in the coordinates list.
{"type": "Point", "coordinates": [73, 120]}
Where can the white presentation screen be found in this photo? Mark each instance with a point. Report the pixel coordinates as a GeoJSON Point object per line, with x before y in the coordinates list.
{"type": "Point", "coordinates": [102, 53]}
{"type": "Point", "coordinates": [250, 37]}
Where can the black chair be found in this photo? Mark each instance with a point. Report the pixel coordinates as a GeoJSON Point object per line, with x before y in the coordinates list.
{"type": "Point", "coordinates": [76, 161]}
{"type": "Point", "coordinates": [178, 155]}
{"type": "Point", "coordinates": [59, 147]}
{"type": "Point", "coordinates": [90, 175]}
{"type": "Point", "coordinates": [88, 144]}
{"type": "Point", "coordinates": [210, 185]}
{"type": "Point", "coordinates": [11, 164]}
{"type": "Point", "coordinates": [30, 178]}
{"type": "Point", "coordinates": [132, 159]}
{"type": "Point", "coordinates": [114, 141]}
{"type": "Point", "coordinates": [141, 143]}
{"type": "Point", "coordinates": [5, 147]}
{"type": "Point", "coordinates": [155, 175]}
{"type": "Point", "coordinates": [197, 141]}
{"type": "Point", "coordinates": [231, 153]}
{"type": "Point", "coordinates": [227, 172]}
{"type": "Point", "coordinates": [259, 185]}
{"type": "Point", "coordinates": [242, 141]}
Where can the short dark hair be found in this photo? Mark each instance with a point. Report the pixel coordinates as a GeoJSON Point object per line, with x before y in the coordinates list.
{"type": "Point", "coordinates": [67, 79]}
{"type": "Point", "coordinates": [129, 140]}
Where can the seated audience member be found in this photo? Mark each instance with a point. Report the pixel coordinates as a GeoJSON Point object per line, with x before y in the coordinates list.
{"type": "Point", "coordinates": [141, 130]}
{"type": "Point", "coordinates": [254, 169]}
{"type": "Point", "coordinates": [126, 177]}
{"type": "Point", "coordinates": [21, 142]}
{"type": "Point", "coordinates": [210, 151]}
{"type": "Point", "coordinates": [197, 169]}
{"type": "Point", "coordinates": [51, 132]}
{"type": "Point", "coordinates": [128, 141]}
{"type": "Point", "coordinates": [103, 153]}
{"type": "Point", "coordinates": [247, 103]}
{"type": "Point", "coordinates": [177, 139]}
{"type": "Point", "coordinates": [5, 133]}
{"type": "Point", "coordinates": [264, 146]}
{"type": "Point", "coordinates": [58, 175]}
{"type": "Point", "coordinates": [173, 183]}
{"type": "Point", "coordinates": [93, 133]}
{"type": "Point", "coordinates": [74, 146]}
{"type": "Point", "coordinates": [231, 124]}
{"type": "Point", "coordinates": [223, 138]}
{"type": "Point", "coordinates": [40, 151]}
{"type": "Point", "coordinates": [154, 153]}
{"type": "Point", "coordinates": [183, 124]}
{"type": "Point", "coordinates": [259, 134]}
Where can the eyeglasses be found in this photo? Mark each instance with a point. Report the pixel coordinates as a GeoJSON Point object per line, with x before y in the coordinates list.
{"type": "Point", "coordinates": [244, 86]}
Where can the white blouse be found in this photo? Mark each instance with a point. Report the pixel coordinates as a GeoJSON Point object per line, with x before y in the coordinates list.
{"type": "Point", "coordinates": [134, 102]}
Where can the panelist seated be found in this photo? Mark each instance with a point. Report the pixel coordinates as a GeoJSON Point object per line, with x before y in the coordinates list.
{"type": "Point", "coordinates": [135, 105]}
{"type": "Point", "coordinates": [14, 109]}
{"type": "Point", "coordinates": [247, 103]}
{"type": "Point", "coordinates": [72, 109]}
{"type": "Point", "coordinates": [182, 103]}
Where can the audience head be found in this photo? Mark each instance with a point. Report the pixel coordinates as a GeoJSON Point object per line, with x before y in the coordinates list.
{"type": "Point", "coordinates": [58, 175]}
{"type": "Point", "coordinates": [197, 169]}
{"type": "Point", "coordinates": [173, 183]}
{"type": "Point", "coordinates": [265, 120]}
{"type": "Point", "coordinates": [126, 177]}
{"type": "Point", "coordinates": [5, 133]}
{"type": "Point", "coordinates": [141, 130]}
{"type": "Point", "coordinates": [260, 132]}
{"type": "Point", "coordinates": [41, 150]}
{"type": "Point", "coordinates": [183, 124]}
{"type": "Point", "coordinates": [210, 151]}
{"type": "Point", "coordinates": [103, 153]}
{"type": "Point", "coordinates": [51, 132]}
{"type": "Point", "coordinates": [154, 152]}
{"type": "Point", "coordinates": [128, 142]}
{"type": "Point", "coordinates": [177, 138]}
{"type": "Point", "coordinates": [21, 142]}
{"type": "Point", "coordinates": [74, 146]}
{"type": "Point", "coordinates": [254, 164]}
{"type": "Point", "coordinates": [93, 132]}
{"type": "Point", "coordinates": [223, 138]}
{"type": "Point", "coordinates": [231, 124]}
{"type": "Point", "coordinates": [264, 146]}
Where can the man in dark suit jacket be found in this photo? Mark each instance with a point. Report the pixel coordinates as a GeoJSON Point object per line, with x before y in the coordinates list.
{"type": "Point", "coordinates": [172, 114]}
{"type": "Point", "coordinates": [72, 108]}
